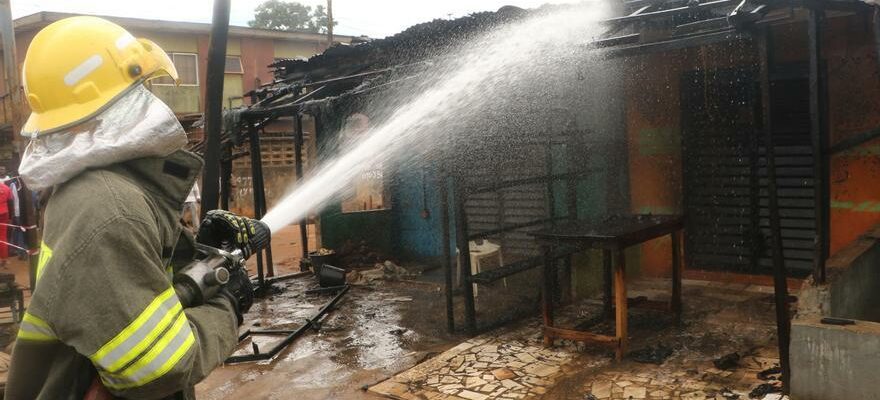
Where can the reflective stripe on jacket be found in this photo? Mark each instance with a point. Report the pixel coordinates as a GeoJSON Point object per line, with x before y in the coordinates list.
{"type": "Point", "coordinates": [103, 300]}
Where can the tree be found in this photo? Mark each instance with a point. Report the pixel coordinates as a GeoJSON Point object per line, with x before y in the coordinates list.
{"type": "Point", "coordinates": [320, 20]}
{"type": "Point", "coordinates": [290, 16]}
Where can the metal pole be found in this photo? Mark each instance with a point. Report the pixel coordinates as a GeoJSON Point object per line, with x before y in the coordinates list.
{"type": "Point", "coordinates": [260, 193]}
{"type": "Point", "coordinates": [563, 295]}
{"type": "Point", "coordinates": [270, 265]}
{"type": "Point", "coordinates": [257, 186]}
{"type": "Point", "coordinates": [464, 256]}
{"type": "Point", "coordinates": [226, 177]}
{"type": "Point", "coordinates": [214, 105]}
{"type": "Point", "coordinates": [821, 172]}
{"type": "Point", "coordinates": [330, 21]}
{"type": "Point", "coordinates": [443, 192]}
{"type": "Point", "coordinates": [780, 285]}
{"type": "Point", "coordinates": [298, 165]}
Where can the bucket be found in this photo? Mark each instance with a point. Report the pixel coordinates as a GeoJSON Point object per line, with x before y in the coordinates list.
{"type": "Point", "coordinates": [329, 275]}
{"type": "Point", "coordinates": [318, 260]}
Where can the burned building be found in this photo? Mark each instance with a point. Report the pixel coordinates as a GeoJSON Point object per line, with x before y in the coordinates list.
{"type": "Point", "coordinates": [754, 122]}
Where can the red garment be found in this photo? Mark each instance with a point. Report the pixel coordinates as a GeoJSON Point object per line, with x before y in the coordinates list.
{"type": "Point", "coordinates": [5, 196]}
{"type": "Point", "coordinates": [4, 249]}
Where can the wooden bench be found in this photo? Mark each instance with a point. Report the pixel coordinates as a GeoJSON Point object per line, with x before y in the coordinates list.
{"type": "Point", "coordinates": [504, 271]}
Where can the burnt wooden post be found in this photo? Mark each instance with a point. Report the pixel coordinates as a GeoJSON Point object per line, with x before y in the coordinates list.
{"type": "Point", "coordinates": [214, 104]}
{"type": "Point", "coordinates": [259, 197]}
{"type": "Point", "coordinates": [298, 141]}
{"type": "Point", "coordinates": [317, 117]}
{"type": "Point", "coordinates": [264, 208]}
{"type": "Point", "coordinates": [573, 145]}
{"type": "Point", "coordinates": [443, 192]}
{"type": "Point", "coordinates": [564, 294]}
{"type": "Point", "coordinates": [755, 194]}
{"type": "Point", "coordinates": [226, 177]}
{"type": "Point", "coordinates": [780, 285]}
{"type": "Point", "coordinates": [571, 201]}
{"type": "Point", "coordinates": [821, 172]}
{"type": "Point", "coordinates": [464, 255]}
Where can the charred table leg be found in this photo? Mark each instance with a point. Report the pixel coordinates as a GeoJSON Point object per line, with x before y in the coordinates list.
{"type": "Point", "coordinates": [620, 304]}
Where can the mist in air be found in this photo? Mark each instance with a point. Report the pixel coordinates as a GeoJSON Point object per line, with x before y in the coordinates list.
{"type": "Point", "coordinates": [455, 89]}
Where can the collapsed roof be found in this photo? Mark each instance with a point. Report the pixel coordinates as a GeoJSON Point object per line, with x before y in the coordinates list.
{"type": "Point", "coordinates": [642, 26]}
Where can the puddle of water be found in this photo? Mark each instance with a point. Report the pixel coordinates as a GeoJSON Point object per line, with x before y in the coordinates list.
{"type": "Point", "coordinates": [360, 342]}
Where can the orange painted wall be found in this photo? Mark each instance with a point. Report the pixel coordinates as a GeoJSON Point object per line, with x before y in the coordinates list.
{"type": "Point", "coordinates": [653, 135]}
{"type": "Point", "coordinates": [256, 55]}
{"type": "Point", "coordinates": [653, 114]}
{"type": "Point", "coordinates": [854, 107]}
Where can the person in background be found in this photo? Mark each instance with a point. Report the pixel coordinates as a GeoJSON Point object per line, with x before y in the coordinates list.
{"type": "Point", "coordinates": [191, 206]}
{"type": "Point", "coordinates": [5, 199]}
{"type": "Point", "coordinates": [16, 235]}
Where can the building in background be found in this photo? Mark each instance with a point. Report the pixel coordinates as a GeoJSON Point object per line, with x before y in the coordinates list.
{"type": "Point", "coordinates": [249, 53]}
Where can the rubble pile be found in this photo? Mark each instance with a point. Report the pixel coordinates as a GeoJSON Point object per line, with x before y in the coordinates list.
{"type": "Point", "coordinates": [381, 271]}
{"type": "Point", "coordinates": [353, 256]}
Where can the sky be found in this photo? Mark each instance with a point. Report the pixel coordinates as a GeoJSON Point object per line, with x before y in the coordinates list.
{"type": "Point", "coordinates": [374, 18]}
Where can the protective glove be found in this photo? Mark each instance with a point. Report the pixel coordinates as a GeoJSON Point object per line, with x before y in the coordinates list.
{"type": "Point", "coordinates": [240, 291]}
{"type": "Point", "coordinates": [225, 230]}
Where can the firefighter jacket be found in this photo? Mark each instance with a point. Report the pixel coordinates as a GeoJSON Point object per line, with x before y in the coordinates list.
{"type": "Point", "coordinates": [103, 303]}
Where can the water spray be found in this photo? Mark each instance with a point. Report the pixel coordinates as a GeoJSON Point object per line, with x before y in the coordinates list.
{"type": "Point", "coordinates": [492, 68]}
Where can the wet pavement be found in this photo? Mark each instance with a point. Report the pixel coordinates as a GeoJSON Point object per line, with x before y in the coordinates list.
{"type": "Point", "coordinates": [391, 338]}
{"type": "Point", "coordinates": [511, 363]}
{"type": "Point", "coordinates": [370, 335]}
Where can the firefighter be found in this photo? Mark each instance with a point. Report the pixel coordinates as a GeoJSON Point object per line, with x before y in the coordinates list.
{"type": "Point", "coordinates": [103, 316]}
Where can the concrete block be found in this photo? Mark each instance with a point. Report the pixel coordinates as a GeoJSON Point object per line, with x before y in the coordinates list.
{"type": "Point", "coordinates": [835, 362]}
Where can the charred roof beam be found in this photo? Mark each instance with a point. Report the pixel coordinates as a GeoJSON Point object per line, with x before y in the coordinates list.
{"type": "Point", "coordinates": [709, 5]}
{"type": "Point", "coordinates": [290, 108]}
{"type": "Point", "coordinates": [641, 10]}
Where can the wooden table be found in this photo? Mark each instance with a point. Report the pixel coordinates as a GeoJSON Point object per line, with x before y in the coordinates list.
{"type": "Point", "coordinates": [612, 235]}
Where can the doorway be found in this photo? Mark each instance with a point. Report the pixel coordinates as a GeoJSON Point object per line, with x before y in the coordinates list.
{"type": "Point", "coordinates": [725, 174]}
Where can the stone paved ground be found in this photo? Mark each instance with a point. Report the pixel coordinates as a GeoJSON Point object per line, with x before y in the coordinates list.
{"type": "Point", "coordinates": [509, 365]}
{"type": "Point", "coordinates": [511, 362]}
{"type": "Point", "coordinates": [689, 381]}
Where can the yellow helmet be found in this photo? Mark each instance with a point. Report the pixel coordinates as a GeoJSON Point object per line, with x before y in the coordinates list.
{"type": "Point", "coordinates": [77, 66]}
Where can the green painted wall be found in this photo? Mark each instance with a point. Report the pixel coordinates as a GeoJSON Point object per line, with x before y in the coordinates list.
{"type": "Point", "coordinates": [375, 228]}
{"type": "Point", "coordinates": [370, 227]}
